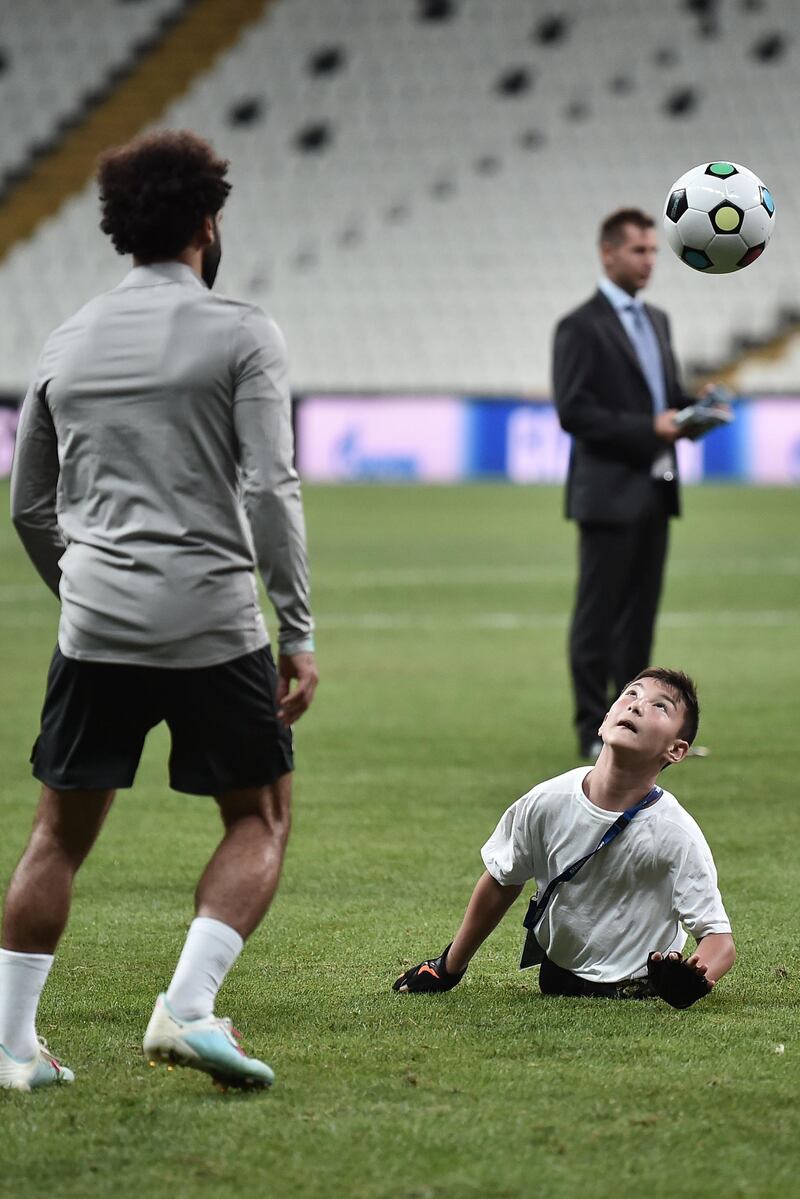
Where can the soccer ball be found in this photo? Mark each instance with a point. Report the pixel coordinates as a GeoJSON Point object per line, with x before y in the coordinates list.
{"type": "Point", "coordinates": [719, 217]}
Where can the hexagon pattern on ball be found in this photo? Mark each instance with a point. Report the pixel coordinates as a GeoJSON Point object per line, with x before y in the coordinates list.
{"type": "Point", "coordinates": [677, 205]}
{"type": "Point", "coordinates": [721, 170]}
{"type": "Point", "coordinates": [726, 218]}
{"type": "Point", "coordinates": [718, 217]}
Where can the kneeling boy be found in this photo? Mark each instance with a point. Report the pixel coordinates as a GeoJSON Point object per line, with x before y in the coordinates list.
{"type": "Point", "coordinates": [637, 871]}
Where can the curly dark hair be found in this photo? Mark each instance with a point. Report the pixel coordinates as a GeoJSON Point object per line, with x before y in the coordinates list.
{"type": "Point", "coordinates": [156, 191]}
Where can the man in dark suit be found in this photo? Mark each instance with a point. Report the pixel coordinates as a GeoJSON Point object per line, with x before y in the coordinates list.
{"type": "Point", "coordinates": [617, 391]}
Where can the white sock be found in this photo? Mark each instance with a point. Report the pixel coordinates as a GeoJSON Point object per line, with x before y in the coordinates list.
{"type": "Point", "coordinates": [22, 977]}
{"type": "Point", "coordinates": [209, 951]}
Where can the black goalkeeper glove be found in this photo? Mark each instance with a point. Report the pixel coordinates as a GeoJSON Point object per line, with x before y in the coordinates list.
{"type": "Point", "coordinates": [676, 982]}
{"type": "Point", "coordinates": [429, 976]}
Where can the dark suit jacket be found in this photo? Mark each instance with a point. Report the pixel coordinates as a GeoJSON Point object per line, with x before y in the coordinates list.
{"type": "Point", "coordinates": [604, 402]}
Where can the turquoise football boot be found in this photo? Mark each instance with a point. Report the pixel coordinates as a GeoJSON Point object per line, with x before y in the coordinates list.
{"type": "Point", "coordinates": [210, 1044]}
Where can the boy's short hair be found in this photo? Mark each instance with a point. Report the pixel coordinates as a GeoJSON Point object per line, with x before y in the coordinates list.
{"type": "Point", "coordinates": [156, 191]}
{"type": "Point", "coordinates": [612, 230]}
{"type": "Point", "coordinates": [683, 688]}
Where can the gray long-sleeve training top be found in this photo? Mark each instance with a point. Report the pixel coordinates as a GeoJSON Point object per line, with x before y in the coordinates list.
{"type": "Point", "coordinates": [154, 471]}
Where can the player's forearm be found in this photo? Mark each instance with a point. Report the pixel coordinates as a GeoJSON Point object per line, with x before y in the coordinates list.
{"type": "Point", "coordinates": [34, 481]}
{"type": "Point", "coordinates": [33, 513]}
{"type": "Point", "coordinates": [44, 547]}
{"type": "Point", "coordinates": [278, 527]}
{"type": "Point", "coordinates": [487, 907]}
{"type": "Point", "coordinates": [274, 504]}
{"type": "Point", "coordinates": [717, 953]}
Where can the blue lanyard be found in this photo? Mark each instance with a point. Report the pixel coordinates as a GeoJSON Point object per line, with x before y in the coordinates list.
{"type": "Point", "coordinates": [538, 903]}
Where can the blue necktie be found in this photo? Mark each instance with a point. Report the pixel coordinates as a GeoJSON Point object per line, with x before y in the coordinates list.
{"type": "Point", "coordinates": [645, 343]}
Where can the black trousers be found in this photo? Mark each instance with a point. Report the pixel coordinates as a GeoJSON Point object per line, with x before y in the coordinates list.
{"type": "Point", "coordinates": [621, 568]}
{"type": "Point", "coordinates": [554, 980]}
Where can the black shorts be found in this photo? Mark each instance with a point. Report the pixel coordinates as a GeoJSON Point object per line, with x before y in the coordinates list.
{"type": "Point", "coordinates": [222, 719]}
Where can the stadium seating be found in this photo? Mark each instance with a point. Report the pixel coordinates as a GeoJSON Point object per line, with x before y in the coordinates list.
{"type": "Point", "coordinates": [776, 370]}
{"type": "Point", "coordinates": [418, 182]}
{"type": "Point", "coordinates": [58, 59]}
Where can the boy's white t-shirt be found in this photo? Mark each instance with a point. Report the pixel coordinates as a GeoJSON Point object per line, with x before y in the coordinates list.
{"type": "Point", "coordinates": [637, 895]}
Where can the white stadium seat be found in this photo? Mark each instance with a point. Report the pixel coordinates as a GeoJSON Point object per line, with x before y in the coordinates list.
{"type": "Point", "coordinates": [438, 236]}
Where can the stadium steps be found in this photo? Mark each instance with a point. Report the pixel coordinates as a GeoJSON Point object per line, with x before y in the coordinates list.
{"type": "Point", "coordinates": [162, 73]}
{"type": "Point", "coordinates": [773, 364]}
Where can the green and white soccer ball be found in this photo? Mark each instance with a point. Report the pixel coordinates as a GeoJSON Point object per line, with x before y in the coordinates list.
{"type": "Point", "coordinates": [719, 217]}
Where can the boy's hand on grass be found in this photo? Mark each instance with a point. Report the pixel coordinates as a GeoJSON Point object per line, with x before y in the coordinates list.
{"type": "Point", "coordinates": [679, 981]}
{"type": "Point", "coordinates": [429, 976]}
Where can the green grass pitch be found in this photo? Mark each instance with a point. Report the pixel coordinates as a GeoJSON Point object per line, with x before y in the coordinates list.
{"type": "Point", "coordinates": [442, 619]}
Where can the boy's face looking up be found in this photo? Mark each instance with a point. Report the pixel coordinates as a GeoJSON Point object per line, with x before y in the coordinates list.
{"type": "Point", "coordinates": [645, 723]}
